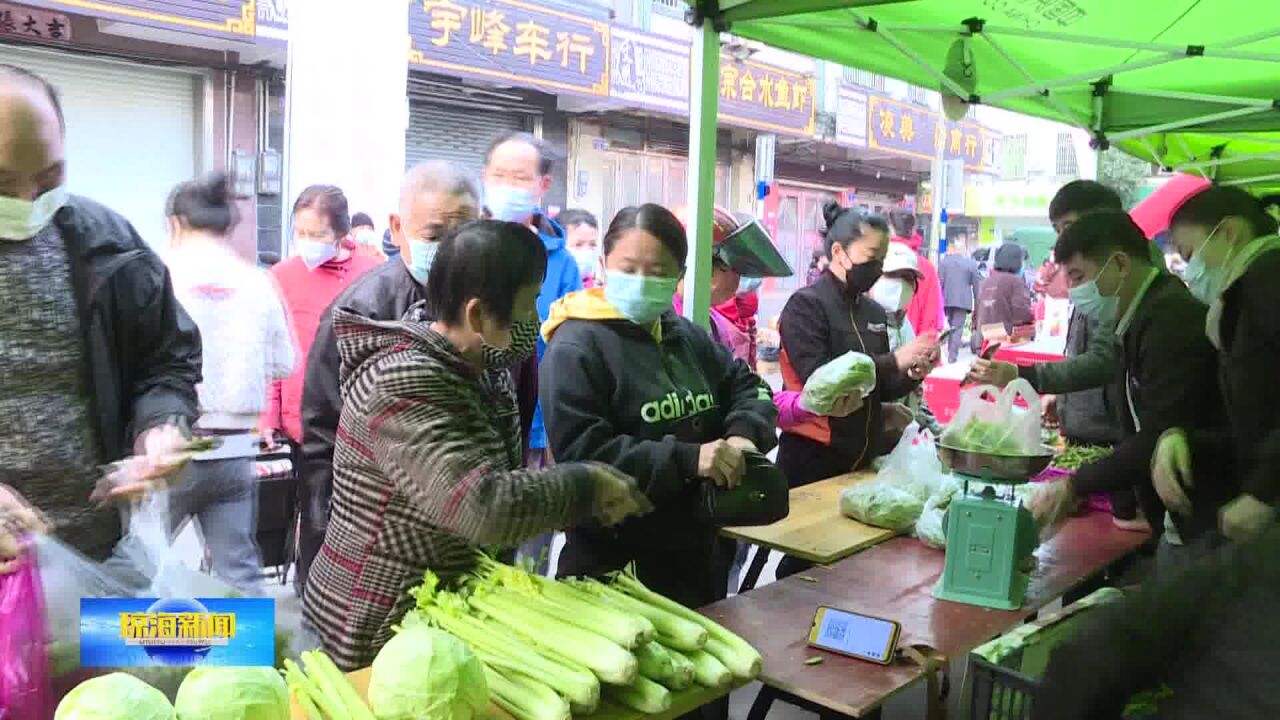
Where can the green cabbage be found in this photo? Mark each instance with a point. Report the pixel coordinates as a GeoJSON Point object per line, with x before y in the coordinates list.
{"type": "Point", "coordinates": [851, 372]}
{"type": "Point", "coordinates": [423, 672]}
{"type": "Point", "coordinates": [233, 693]}
{"type": "Point", "coordinates": [882, 505]}
{"type": "Point", "coordinates": [984, 437]}
{"type": "Point", "coordinates": [114, 697]}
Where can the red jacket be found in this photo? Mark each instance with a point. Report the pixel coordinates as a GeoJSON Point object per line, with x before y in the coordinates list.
{"type": "Point", "coordinates": [925, 311]}
{"type": "Point", "coordinates": [306, 295]}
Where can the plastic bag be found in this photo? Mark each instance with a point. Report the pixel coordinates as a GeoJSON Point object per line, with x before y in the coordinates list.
{"type": "Point", "coordinates": [24, 672]}
{"type": "Point", "coordinates": [930, 528]}
{"type": "Point", "coordinates": [913, 465]}
{"type": "Point", "coordinates": [990, 421]}
{"type": "Point", "coordinates": [849, 373]}
{"type": "Point", "coordinates": [881, 504]}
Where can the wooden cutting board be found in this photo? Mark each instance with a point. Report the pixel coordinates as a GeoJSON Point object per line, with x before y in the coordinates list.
{"type": "Point", "coordinates": [815, 530]}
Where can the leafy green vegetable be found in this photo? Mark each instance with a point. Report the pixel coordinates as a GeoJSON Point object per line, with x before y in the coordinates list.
{"type": "Point", "coordinates": [984, 437]}
{"type": "Point", "coordinates": [849, 373]}
{"type": "Point", "coordinates": [233, 693]}
{"type": "Point", "coordinates": [117, 696]}
{"type": "Point", "coordinates": [423, 672]}
{"type": "Point", "coordinates": [1076, 456]}
{"type": "Point", "coordinates": [882, 505]}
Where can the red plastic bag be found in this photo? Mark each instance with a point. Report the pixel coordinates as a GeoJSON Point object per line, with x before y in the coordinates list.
{"type": "Point", "coordinates": [24, 675]}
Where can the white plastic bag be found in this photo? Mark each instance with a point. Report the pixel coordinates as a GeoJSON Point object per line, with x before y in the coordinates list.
{"type": "Point", "coordinates": [913, 465]}
{"type": "Point", "coordinates": [849, 373]}
{"type": "Point", "coordinates": [881, 504]}
{"type": "Point", "coordinates": [929, 528]}
{"type": "Point", "coordinates": [990, 421]}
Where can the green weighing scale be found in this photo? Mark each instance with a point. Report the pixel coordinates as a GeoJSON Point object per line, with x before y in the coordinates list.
{"type": "Point", "coordinates": [990, 535]}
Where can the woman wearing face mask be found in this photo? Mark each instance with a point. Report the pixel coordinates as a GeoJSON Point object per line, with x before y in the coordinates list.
{"type": "Point", "coordinates": [582, 238]}
{"type": "Point", "coordinates": [627, 381]}
{"type": "Point", "coordinates": [427, 465]}
{"type": "Point", "coordinates": [323, 265]}
{"type": "Point", "coordinates": [1233, 266]}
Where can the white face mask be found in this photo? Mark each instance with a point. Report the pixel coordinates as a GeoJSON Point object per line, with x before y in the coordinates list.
{"type": "Point", "coordinates": [586, 259]}
{"type": "Point", "coordinates": [23, 219]}
{"type": "Point", "coordinates": [314, 254]}
{"type": "Point", "coordinates": [890, 293]}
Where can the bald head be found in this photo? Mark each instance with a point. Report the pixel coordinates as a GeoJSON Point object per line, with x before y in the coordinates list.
{"type": "Point", "coordinates": [31, 135]}
{"type": "Point", "coordinates": [435, 197]}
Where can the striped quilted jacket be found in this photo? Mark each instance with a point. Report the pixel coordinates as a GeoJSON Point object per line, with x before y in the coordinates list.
{"type": "Point", "coordinates": [426, 470]}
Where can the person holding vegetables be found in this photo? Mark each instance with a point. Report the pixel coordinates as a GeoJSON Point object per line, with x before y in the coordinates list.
{"type": "Point", "coordinates": [1233, 257]}
{"type": "Point", "coordinates": [427, 466]}
{"type": "Point", "coordinates": [628, 382]}
{"type": "Point", "coordinates": [1167, 369]}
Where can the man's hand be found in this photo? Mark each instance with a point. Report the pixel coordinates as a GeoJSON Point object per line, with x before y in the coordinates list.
{"type": "Point", "coordinates": [1243, 518]}
{"type": "Point", "coordinates": [1171, 470]}
{"type": "Point", "coordinates": [617, 497]}
{"type": "Point", "coordinates": [159, 454]}
{"type": "Point", "coordinates": [921, 352]}
{"type": "Point", "coordinates": [991, 372]}
{"type": "Point", "coordinates": [17, 520]}
{"type": "Point", "coordinates": [896, 417]}
{"type": "Point", "coordinates": [1052, 502]}
{"type": "Point", "coordinates": [722, 463]}
{"type": "Point", "coordinates": [1049, 411]}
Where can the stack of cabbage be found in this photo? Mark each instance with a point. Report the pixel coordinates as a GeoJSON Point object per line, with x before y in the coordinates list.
{"type": "Point", "coordinates": [207, 693]}
{"type": "Point", "coordinates": [552, 648]}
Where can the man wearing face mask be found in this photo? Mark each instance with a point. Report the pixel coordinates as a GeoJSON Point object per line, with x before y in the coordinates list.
{"type": "Point", "coordinates": [1234, 267]}
{"type": "Point", "coordinates": [97, 359]}
{"type": "Point", "coordinates": [435, 198]}
{"type": "Point", "coordinates": [1168, 379]}
{"type": "Point", "coordinates": [582, 232]}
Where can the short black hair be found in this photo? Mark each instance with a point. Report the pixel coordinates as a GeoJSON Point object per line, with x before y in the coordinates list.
{"type": "Point", "coordinates": [205, 203]}
{"type": "Point", "coordinates": [844, 226]}
{"type": "Point", "coordinates": [903, 222]}
{"type": "Point", "coordinates": [1209, 206]}
{"type": "Point", "coordinates": [49, 90]}
{"type": "Point", "coordinates": [361, 220]}
{"type": "Point", "coordinates": [329, 201]}
{"type": "Point", "coordinates": [574, 217]}
{"type": "Point", "coordinates": [877, 222]}
{"type": "Point", "coordinates": [655, 220]}
{"type": "Point", "coordinates": [486, 260]}
{"type": "Point", "coordinates": [525, 138]}
{"type": "Point", "coordinates": [1098, 234]}
{"type": "Point", "coordinates": [1082, 196]}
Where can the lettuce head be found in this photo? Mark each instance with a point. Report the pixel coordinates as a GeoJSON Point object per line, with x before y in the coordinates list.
{"type": "Point", "coordinates": [233, 693]}
{"type": "Point", "coordinates": [423, 672]}
{"type": "Point", "coordinates": [117, 696]}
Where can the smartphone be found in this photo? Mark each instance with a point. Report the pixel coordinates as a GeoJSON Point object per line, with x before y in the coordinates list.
{"type": "Point", "coordinates": [942, 339]}
{"type": "Point", "coordinates": [859, 636]}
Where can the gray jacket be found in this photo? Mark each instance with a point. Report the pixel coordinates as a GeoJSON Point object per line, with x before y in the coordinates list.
{"type": "Point", "coordinates": [960, 279]}
{"type": "Point", "coordinates": [1086, 383]}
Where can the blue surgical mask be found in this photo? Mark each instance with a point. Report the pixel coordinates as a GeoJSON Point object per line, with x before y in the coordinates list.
{"type": "Point", "coordinates": [1092, 303]}
{"type": "Point", "coordinates": [508, 203]}
{"type": "Point", "coordinates": [1204, 282]}
{"type": "Point", "coordinates": [315, 253]}
{"type": "Point", "coordinates": [422, 253]}
{"type": "Point", "coordinates": [640, 298]}
{"type": "Point", "coordinates": [748, 285]}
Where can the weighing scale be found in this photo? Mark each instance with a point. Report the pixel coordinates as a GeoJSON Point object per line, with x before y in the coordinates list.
{"type": "Point", "coordinates": [990, 535]}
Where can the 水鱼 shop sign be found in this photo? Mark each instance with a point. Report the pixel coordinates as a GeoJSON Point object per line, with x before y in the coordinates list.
{"type": "Point", "coordinates": [511, 42]}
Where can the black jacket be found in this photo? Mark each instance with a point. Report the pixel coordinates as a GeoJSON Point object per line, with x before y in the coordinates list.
{"type": "Point", "coordinates": [817, 326]}
{"type": "Point", "coordinates": [1171, 371]}
{"type": "Point", "coordinates": [384, 293]}
{"type": "Point", "coordinates": [1208, 632]}
{"type": "Point", "coordinates": [611, 394]}
{"type": "Point", "coordinates": [142, 350]}
{"type": "Point", "coordinates": [1250, 333]}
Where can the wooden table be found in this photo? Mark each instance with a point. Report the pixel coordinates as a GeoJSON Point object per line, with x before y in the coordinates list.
{"type": "Point", "coordinates": [895, 580]}
{"type": "Point", "coordinates": [815, 530]}
{"type": "Point", "coordinates": [681, 703]}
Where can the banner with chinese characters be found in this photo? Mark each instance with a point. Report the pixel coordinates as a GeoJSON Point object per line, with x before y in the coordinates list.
{"type": "Point", "coordinates": [220, 18]}
{"type": "Point", "coordinates": [904, 128]}
{"type": "Point", "coordinates": [511, 42]}
{"type": "Point", "coordinates": [137, 632]}
{"type": "Point", "coordinates": [273, 20]}
{"type": "Point", "coordinates": [652, 73]}
{"type": "Point", "coordinates": [25, 22]}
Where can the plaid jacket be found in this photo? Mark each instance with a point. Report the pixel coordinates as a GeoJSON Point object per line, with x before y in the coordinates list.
{"type": "Point", "coordinates": [426, 469]}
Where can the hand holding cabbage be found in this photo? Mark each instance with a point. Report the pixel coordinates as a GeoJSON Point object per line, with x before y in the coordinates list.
{"type": "Point", "coordinates": [830, 386]}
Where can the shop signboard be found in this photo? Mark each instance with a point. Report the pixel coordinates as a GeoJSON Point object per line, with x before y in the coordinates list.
{"type": "Point", "coordinates": [903, 128]}
{"type": "Point", "coordinates": [236, 19]}
{"type": "Point", "coordinates": [511, 42]}
{"type": "Point", "coordinates": [851, 117]}
{"type": "Point", "coordinates": [24, 22]}
{"type": "Point", "coordinates": [273, 21]}
{"type": "Point", "coordinates": [1010, 198]}
{"type": "Point", "coordinates": [652, 73]}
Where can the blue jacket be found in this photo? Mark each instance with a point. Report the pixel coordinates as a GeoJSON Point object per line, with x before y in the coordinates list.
{"type": "Point", "coordinates": [562, 278]}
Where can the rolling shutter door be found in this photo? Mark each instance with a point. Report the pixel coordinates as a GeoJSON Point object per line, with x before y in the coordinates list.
{"type": "Point", "coordinates": [131, 131]}
{"type": "Point", "coordinates": [438, 132]}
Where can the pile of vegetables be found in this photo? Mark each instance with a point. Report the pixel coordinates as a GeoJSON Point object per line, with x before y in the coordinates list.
{"type": "Point", "coordinates": [1076, 456]}
{"type": "Point", "coordinates": [551, 648]}
{"type": "Point", "coordinates": [322, 690]}
{"type": "Point", "coordinates": [207, 693]}
{"type": "Point", "coordinates": [984, 437]}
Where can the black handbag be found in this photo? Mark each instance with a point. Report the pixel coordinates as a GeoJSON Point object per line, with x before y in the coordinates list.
{"type": "Point", "coordinates": [762, 498]}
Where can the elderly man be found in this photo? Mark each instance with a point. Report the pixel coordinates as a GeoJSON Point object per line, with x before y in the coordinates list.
{"type": "Point", "coordinates": [97, 358]}
{"type": "Point", "coordinates": [435, 197]}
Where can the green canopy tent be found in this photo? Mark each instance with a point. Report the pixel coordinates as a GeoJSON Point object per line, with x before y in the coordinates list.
{"type": "Point", "coordinates": [1191, 84]}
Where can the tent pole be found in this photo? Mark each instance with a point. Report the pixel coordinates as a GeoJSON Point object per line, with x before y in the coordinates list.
{"type": "Point", "coordinates": [1186, 149]}
{"type": "Point", "coordinates": [1187, 122]}
{"type": "Point", "coordinates": [913, 56]}
{"type": "Point", "coordinates": [704, 106]}
{"type": "Point", "coordinates": [1197, 97]}
{"type": "Point", "coordinates": [1089, 76]}
{"type": "Point", "coordinates": [1050, 98]}
{"type": "Point", "coordinates": [1221, 50]}
{"type": "Point", "coordinates": [1219, 162]}
{"type": "Point", "coordinates": [1254, 179]}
